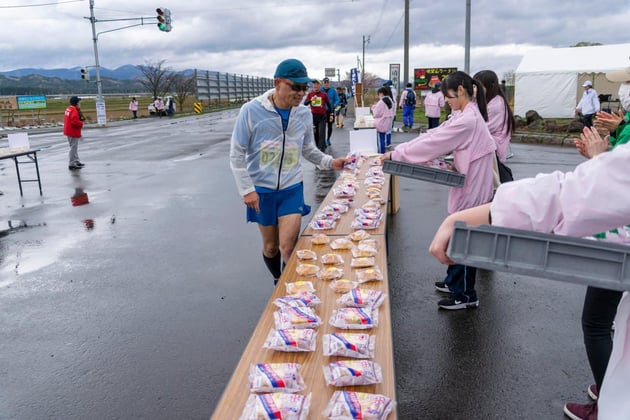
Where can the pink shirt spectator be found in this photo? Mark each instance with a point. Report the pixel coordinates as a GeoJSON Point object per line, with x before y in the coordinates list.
{"type": "Point", "coordinates": [498, 127]}
{"type": "Point", "coordinates": [433, 104]}
{"type": "Point", "coordinates": [466, 135]}
{"type": "Point", "coordinates": [383, 116]}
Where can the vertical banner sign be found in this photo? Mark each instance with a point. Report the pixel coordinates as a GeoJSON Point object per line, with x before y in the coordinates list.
{"type": "Point", "coordinates": [425, 79]}
{"type": "Point", "coordinates": [394, 75]}
{"type": "Point", "coordinates": [101, 116]}
{"type": "Point", "coordinates": [354, 79]}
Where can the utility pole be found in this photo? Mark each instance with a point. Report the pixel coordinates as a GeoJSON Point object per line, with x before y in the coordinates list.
{"type": "Point", "coordinates": [406, 48]}
{"type": "Point", "coordinates": [467, 41]}
{"type": "Point", "coordinates": [363, 62]}
{"type": "Point", "coordinates": [95, 40]}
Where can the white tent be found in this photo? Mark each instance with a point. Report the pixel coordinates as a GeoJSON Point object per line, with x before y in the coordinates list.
{"type": "Point", "coordinates": [549, 81]}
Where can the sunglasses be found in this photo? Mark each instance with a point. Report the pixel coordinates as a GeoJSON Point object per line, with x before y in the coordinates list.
{"type": "Point", "coordinates": [295, 87]}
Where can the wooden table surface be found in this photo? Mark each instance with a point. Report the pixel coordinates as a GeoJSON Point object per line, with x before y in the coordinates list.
{"type": "Point", "coordinates": [237, 391]}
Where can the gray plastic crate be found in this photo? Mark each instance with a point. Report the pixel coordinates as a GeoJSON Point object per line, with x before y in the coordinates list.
{"type": "Point", "coordinates": [424, 173]}
{"type": "Point", "coordinates": [565, 258]}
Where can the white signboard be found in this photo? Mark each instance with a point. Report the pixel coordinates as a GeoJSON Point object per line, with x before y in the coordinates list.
{"type": "Point", "coordinates": [363, 140]}
{"type": "Point", "coordinates": [101, 115]}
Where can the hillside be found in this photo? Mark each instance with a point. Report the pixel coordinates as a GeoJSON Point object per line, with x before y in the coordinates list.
{"type": "Point", "coordinates": [30, 81]}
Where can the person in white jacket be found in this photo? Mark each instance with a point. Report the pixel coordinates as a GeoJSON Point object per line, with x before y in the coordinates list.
{"type": "Point", "coordinates": [562, 203]}
{"type": "Point", "coordinates": [272, 134]}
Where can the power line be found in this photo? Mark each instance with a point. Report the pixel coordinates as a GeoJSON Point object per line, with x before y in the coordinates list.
{"type": "Point", "coordinates": [41, 4]}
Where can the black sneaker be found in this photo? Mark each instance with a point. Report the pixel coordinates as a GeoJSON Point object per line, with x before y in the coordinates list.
{"type": "Point", "coordinates": [442, 287]}
{"type": "Point", "coordinates": [454, 304]}
{"type": "Point", "coordinates": [74, 167]}
{"type": "Point", "coordinates": [79, 164]}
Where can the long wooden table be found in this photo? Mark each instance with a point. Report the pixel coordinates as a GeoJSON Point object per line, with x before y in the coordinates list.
{"type": "Point", "coordinates": [237, 391]}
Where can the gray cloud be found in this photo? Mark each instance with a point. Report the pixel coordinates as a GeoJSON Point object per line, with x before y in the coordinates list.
{"type": "Point", "coordinates": [252, 36]}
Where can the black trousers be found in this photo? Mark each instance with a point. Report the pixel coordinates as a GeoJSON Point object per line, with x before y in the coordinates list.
{"type": "Point", "coordinates": [600, 308]}
{"type": "Point", "coordinates": [319, 130]}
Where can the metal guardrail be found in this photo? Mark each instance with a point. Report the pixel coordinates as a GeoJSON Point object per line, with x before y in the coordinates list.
{"type": "Point", "coordinates": [228, 87]}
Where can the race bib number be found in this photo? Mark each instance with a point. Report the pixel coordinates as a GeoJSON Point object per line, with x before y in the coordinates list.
{"type": "Point", "coordinates": [316, 101]}
{"type": "Point", "coordinates": [271, 153]}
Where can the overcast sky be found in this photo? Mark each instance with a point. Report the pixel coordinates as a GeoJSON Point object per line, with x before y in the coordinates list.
{"type": "Point", "coordinates": [252, 36]}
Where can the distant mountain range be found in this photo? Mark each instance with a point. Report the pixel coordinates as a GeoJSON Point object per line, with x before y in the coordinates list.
{"type": "Point", "coordinates": [29, 81]}
{"type": "Point", "coordinates": [125, 72]}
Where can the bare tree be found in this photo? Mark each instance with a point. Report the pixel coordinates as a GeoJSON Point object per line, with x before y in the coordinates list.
{"type": "Point", "coordinates": [157, 78]}
{"type": "Point", "coordinates": [183, 87]}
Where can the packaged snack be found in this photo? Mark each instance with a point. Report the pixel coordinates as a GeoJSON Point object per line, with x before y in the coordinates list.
{"type": "Point", "coordinates": [298, 300]}
{"type": "Point", "coordinates": [327, 213]}
{"type": "Point", "coordinates": [362, 262]}
{"type": "Point", "coordinates": [375, 171]}
{"type": "Point", "coordinates": [342, 202]}
{"type": "Point", "coordinates": [331, 259]}
{"type": "Point", "coordinates": [369, 274]}
{"type": "Point", "coordinates": [376, 195]}
{"type": "Point", "coordinates": [362, 298]}
{"type": "Point", "coordinates": [349, 405]}
{"type": "Point", "coordinates": [363, 250]}
{"type": "Point", "coordinates": [356, 345]}
{"type": "Point", "coordinates": [291, 340]}
{"type": "Point", "coordinates": [369, 213]}
{"type": "Point", "coordinates": [365, 223]}
{"type": "Point", "coordinates": [354, 318]}
{"type": "Point", "coordinates": [343, 191]}
{"type": "Point", "coordinates": [374, 180]}
{"type": "Point", "coordinates": [275, 377]}
{"type": "Point", "coordinates": [359, 235]}
{"type": "Point", "coordinates": [343, 285]}
{"type": "Point", "coordinates": [337, 208]}
{"type": "Point", "coordinates": [341, 243]}
{"type": "Point", "coordinates": [322, 224]}
{"type": "Point", "coordinates": [276, 405]}
{"type": "Point", "coordinates": [353, 373]}
{"type": "Point", "coordinates": [373, 204]}
{"type": "Point", "coordinates": [287, 318]}
{"type": "Point", "coordinates": [307, 270]}
{"type": "Point", "coordinates": [330, 273]}
{"type": "Point", "coordinates": [320, 239]}
{"type": "Point", "coordinates": [369, 242]}
{"type": "Point", "coordinates": [306, 254]}
{"type": "Point", "coordinates": [300, 287]}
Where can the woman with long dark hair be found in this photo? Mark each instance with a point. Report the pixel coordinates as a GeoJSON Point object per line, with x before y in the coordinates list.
{"type": "Point", "coordinates": [466, 135]}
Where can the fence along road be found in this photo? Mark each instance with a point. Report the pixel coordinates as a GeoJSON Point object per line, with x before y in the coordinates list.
{"type": "Point", "coordinates": [218, 87]}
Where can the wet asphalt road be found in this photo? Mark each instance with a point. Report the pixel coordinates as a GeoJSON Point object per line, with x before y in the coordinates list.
{"type": "Point", "coordinates": [139, 304]}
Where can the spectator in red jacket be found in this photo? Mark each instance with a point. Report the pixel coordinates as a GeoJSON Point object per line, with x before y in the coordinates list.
{"type": "Point", "coordinates": [72, 125]}
{"type": "Point", "coordinates": [318, 101]}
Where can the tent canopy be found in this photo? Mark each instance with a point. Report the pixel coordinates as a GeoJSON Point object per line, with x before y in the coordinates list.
{"type": "Point", "coordinates": [549, 81]}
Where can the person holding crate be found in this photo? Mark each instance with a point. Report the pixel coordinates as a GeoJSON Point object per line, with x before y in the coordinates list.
{"type": "Point", "coordinates": [272, 134]}
{"type": "Point", "coordinates": [562, 203]}
{"type": "Point", "coordinates": [465, 134]}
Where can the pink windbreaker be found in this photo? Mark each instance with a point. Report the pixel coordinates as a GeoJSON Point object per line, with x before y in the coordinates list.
{"type": "Point", "coordinates": [577, 203]}
{"type": "Point", "coordinates": [383, 116]}
{"type": "Point", "coordinates": [433, 104]}
{"type": "Point", "coordinates": [466, 135]}
{"type": "Point", "coordinates": [497, 126]}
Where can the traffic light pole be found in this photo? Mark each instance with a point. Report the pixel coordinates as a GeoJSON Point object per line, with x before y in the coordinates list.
{"type": "Point", "coordinates": [100, 103]}
{"type": "Point", "coordinates": [99, 86]}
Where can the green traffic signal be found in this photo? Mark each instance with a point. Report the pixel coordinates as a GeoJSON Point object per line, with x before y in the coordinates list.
{"type": "Point", "coordinates": [164, 19]}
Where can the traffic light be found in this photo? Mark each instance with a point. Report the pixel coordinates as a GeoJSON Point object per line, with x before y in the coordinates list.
{"type": "Point", "coordinates": [164, 19]}
{"type": "Point", "coordinates": [85, 74]}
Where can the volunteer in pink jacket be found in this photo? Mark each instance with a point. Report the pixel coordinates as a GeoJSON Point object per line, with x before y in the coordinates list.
{"type": "Point", "coordinates": [563, 203]}
{"type": "Point", "coordinates": [500, 118]}
{"type": "Point", "coordinates": [383, 112]}
{"type": "Point", "coordinates": [466, 135]}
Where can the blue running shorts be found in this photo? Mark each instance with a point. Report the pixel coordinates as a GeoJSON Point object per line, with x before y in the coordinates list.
{"type": "Point", "coordinates": [277, 203]}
